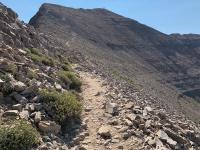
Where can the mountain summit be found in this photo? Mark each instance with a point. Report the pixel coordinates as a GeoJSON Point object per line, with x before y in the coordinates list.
{"type": "Point", "coordinates": [164, 66]}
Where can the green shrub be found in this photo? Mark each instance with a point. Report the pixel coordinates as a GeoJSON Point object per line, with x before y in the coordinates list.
{"type": "Point", "coordinates": [18, 135]}
{"type": "Point", "coordinates": [7, 87]}
{"type": "Point", "coordinates": [11, 68]}
{"type": "Point", "coordinates": [38, 57]}
{"type": "Point", "coordinates": [66, 67]}
{"type": "Point", "coordinates": [35, 51]}
{"type": "Point", "coordinates": [70, 78]}
{"type": "Point", "coordinates": [42, 59]}
{"type": "Point", "coordinates": [65, 105]}
{"type": "Point", "coordinates": [32, 74]}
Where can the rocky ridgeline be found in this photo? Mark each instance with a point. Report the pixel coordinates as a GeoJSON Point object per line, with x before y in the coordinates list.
{"type": "Point", "coordinates": [111, 119]}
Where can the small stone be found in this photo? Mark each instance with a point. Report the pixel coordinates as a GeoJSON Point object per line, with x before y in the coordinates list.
{"type": "Point", "coordinates": [19, 86]}
{"type": "Point", "coordinates": [49, 127]}
{"type": "Point", "coordinates": [131, 117]}
{"type": "Point", "coordinates": [11, 113]}
{"type": "Point", "coordinates": [129, 105]}
{"type": "Point", "coordinates": [19, 98]}
{"type": "Point", "coordinates": [128, 122]}
{"type": "Point", "coordinates": [37, 117]}
{"type": "Point", "coordinates": [111, 108]}
{"type": "Point", "coordinates": [17, 107]}
{"type": "Point", "coordinates": [104, 132]}
{"type": "Point", "coordinates": [58, 87]}
{"type": "Point", "coordinates": [24, 114]}
{"type": "Point", "coordinates": [88, 109]}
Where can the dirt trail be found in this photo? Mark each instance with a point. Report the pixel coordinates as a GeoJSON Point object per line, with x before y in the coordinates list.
{"type": "Point", "coordinates": [94, 99]}
{"type": "Point", "coordinates": [94, 92]}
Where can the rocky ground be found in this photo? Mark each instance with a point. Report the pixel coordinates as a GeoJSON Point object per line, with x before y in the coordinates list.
{"type": "Point", "coordinates": [115, 122]}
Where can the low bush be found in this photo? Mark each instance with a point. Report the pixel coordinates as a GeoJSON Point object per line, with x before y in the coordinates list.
{"type": "Point", "coordinates": [38, 57]}
{"type": "Point", "coordinates": [7, 87]}
{"type": "Point", "coordinates": [66, 67]}
{"type": "Point", "coordinates": [71, 79]}
{"type": "Point", "coordinates": [32, 74]}
{"type": "Point", "coordinates": [65, 105]}
{"type": "Point", "coordinates": [18, 135]}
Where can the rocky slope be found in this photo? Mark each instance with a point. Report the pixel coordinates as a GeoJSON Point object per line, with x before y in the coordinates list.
{"type": "Point", "coordinates": [163, 66]}
{"type": "Point", "coordinates": [41, 97]}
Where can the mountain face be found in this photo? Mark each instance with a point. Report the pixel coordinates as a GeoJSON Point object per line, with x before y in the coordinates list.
{"type": "Point", "coordinates": [164, 66]}
{"type": "Point", "coordinates": [42, 97]}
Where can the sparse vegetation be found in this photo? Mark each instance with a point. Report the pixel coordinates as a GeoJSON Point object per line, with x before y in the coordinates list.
{"type": "Point", "coordinates": [18, 135]}
{"type": "Point", "coordinates": [66, 67]}
{"type": "Point", "coordinates": [38, 57]}
{"type": "Point", "coordinates": [66, 105]}
{"type": "Point", "coordinates": [32, 74]}
{"type": "Point", "coordinates": [71, 79]}
{"type": "Point", "coordinates": [10, 67]}
{"type": "Point", "coordinates": [7, 88]}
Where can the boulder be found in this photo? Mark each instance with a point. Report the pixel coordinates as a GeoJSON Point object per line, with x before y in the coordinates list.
{"type": "Point", "coordinates": [49, 127]}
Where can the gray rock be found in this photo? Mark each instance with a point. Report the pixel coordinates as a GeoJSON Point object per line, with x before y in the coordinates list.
{"type": "Point", "coordinates": [19, 98]}
{"type": "Point", "coordinates": [18, 86]}
{"type": "Point", "coordinates": [111, 108]}
{"type": "Point", "coordinates": [49, 127]}
{"type": "Point", "coordinates": [11, 113]}
{"type": "Point", "coordinates": [17, 107]}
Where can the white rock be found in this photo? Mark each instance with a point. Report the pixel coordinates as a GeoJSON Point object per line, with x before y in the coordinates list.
{"type": "Point", "coordinates": [11, 113]}
{"type": "Point", "coordinates": [37, 117]}
{"type": "Point", "coordinates": [24, 114]}
{"type": "Point", "coordinates": [17, 107]}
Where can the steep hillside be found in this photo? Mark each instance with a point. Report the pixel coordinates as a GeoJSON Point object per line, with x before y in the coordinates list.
{"type": "Point", "coordinates": [49, 103]}
{"type": "Point", "coordinates": [163, 66]}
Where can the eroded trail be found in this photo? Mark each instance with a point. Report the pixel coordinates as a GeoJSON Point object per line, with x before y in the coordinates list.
{"type": "Point", "coordinates": [94, 93]}
{"type": "Point", "coordinates": [94, 99]}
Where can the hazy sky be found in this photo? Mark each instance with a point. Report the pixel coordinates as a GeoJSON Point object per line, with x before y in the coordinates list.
{"type": "Point", "coordinates": [168, 16]}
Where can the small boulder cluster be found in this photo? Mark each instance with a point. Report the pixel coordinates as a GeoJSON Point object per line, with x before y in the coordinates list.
{"type": "Point", "coordinates": [152, 129]}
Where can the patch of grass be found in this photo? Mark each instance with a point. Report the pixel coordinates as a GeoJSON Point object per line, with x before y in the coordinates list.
{"type": "Point", "coordinates": [38, 57]}
{"type": "Point", "coordinates": [18, 135]}
{"type": "Point", "coordinates": [32, 74]}
{"type": "Point", "coordinates": [42, 59]}
{"type": "Point", "coordinates": [65, 105]}
{"type": "Point", "coordinates": [10, 67]}
{"type": "Point", "coordinates": [66, 67]}
{"type": "Point", "coordinates": [71, 79]}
